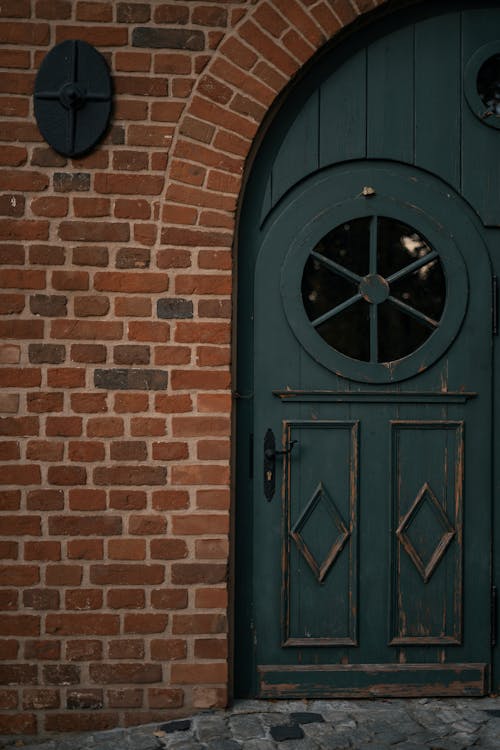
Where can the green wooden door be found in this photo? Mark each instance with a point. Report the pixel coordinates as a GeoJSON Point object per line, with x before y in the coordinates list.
{"type": "Point", "coordinates": [365, 348]}
{"type": "Point", "coordinates": [372, 352]}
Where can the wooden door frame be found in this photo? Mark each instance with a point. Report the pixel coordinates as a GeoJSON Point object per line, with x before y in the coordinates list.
{"type": "Point", "coordinates": [243, 674]}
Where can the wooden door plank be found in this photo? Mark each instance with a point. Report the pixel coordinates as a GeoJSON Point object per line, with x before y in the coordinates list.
{"type": "Point", "coordinates": [343, 113]}
{"type": "Point", "coordinates": [390, 97]}
{"type": "Point", "coordinates": [438, 96]}
{"type": "Point", "coordinates": [480, 143]}
{"type": "Point", "coordinates": [298, 154]}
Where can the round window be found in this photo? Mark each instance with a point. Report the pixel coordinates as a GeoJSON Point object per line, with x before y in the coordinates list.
{"type": "Point", "coordinates": [374, 289]}
{"type": "Point", "coordinates": [482, 84]}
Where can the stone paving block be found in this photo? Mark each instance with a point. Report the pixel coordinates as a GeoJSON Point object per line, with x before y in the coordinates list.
{"type": "Point", "coordinates": [283, 732]}
{"type": "Point", "coordinates": [246, 727]}
{"type": "Point", "coordinates": [211, 728]}
{"type": "Point", "coordinates": [306, 717]}
{"type": "Point", "coordinates": [259, 745]}
{"type": "Point", "coordinates": [223, 745]}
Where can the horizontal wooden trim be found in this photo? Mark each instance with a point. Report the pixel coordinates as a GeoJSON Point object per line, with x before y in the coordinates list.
{"type": "Point", "coordinates": [372, 680]}
{"type": "Point", "coordinates": [425, 640]}
{"type": "Point", "coordinates": [374, 397]}
{"type": "Point", "coordinates": [313, 642]}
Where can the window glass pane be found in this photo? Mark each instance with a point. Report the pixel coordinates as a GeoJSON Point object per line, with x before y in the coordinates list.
{"type": "Point", "coordinates": [322, 289]}
{"type": "Point", "coordinates": [349, 331]}
{"type": "Point", "coordinates": [348, 245]}
{"type": "Point", "coordinates": [398, 246]}
{"type": "Point", "coordinates": [399, 334]}
{"type": "Point", "coordinates": [488, 84]}
{"type": "Point", "coordinates": [425, 289]}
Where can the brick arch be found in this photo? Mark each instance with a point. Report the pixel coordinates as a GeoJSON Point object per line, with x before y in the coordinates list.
{"type": "Point", "coordinates": [252, 64]}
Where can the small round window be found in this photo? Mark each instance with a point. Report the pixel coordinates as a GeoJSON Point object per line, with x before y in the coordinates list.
{"type": "Point", "coordinates": [482, 84]}
{"type": "Point", "coordinates": [374, 289]}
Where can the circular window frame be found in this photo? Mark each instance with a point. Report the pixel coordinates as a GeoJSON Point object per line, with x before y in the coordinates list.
{"type": "Point", "coordinates": [455, 277]}
{"type": "Point", "coordinates": [472, 69]}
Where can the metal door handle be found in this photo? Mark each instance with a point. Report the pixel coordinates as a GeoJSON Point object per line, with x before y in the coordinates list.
{"type": "Point", "coordinates": [270, 454]}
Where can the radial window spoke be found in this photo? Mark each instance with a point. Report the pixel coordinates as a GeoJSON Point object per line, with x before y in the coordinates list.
{"type": "Point", "coordinates": [336, 310]}
{"type": "Point", "coordinates": [430, 322]}
{"type": "Point", "coordinates": [341, 270]}
{"type": "Point", "coordinates": [415, 266]}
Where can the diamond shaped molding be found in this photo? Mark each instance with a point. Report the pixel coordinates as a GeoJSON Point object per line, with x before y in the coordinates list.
{"type": "Point", "coordinates": [320, 569]}
{"type": "Point", "coordinates": [426, 495]}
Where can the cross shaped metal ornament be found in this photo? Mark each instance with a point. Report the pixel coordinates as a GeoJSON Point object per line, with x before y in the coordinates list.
{"type": "Point", "coordinates": [73, 97]}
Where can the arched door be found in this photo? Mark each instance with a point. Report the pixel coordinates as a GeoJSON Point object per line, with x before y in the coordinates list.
{"type": "Point", "coordinates": [367, 530]}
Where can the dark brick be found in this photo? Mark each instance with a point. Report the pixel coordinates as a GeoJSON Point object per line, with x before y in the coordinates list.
{"type": "Point", "coordinates": [175, 308]}
{"type": "Point", "coordinates": [65, 182]}
{"type": "Point", "coordinates": [116, 135]}
{"type": "Point", "coordinates": [84, 699]}
{"type": "Point", "coordinates": [136, 380]}
{"type": "Point", "coordinates": [61, 674]}
{"type": "Point", "coordinates": [46, 157]}
{"type": "Point", "coordinates": [168, 38]}
{"type": "Point", "coordinates": [52, 354]}
{"type": "Point", "coordinates": [127, 354]}
{"type": "Point", "coordinates": [133, 257]}
{"type": "Point", "coordinates": [41, 598]}
{"type": "Point", "coordinates": [133, 13]}
{"type": "Point", "coordinates": [49, 305]}
{"type": "Point", "coordinates": [12, 204]}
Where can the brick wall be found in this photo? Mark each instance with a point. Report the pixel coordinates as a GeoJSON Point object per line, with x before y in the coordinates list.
{"type": "Point", "coordinates": [115, 322]}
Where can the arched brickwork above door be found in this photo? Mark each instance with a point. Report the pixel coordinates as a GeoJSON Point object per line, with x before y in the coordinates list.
{"type": "Point", "coordinates": [252, 65]}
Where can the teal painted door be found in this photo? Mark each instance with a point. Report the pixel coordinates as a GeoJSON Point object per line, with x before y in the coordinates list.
{"type": "Point", "coordinates": [365, 347]}
{"type": "Point", "coordinates": [372, 352]}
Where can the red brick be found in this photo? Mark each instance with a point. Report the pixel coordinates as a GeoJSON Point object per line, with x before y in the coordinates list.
{"type": "Point", "coordinates": [207, 598]}
{"type": "Point", "coordinates": [147, 525]}
{"type": "Point", "coordinates": [74, 721]}
{"type": "Point", "coordinates": [203, 284]}
{"type": "Point", "coordinates": [187, 331]}
{"type": "Point", "coordinates": [170, 451]}
{"type": "Point", "coordinates": [20, 279]}
{"type": "Point", "coordinates": [83, 599]}
{"type": "Point", "coordinates": [91, 207]}
{"type": "Point", "coordinates": [146, 331]}
{"type": "Point", "coordinates": [94, 11]}
{"type": "Point", "coordinates": [85, 549]}
{"type": "Point", "coordinates": [45, 500]}
{"type": "Point", "coordinates": [125, 698]}
{"type": "Point", "coordinates": [210, 523]}
{"type": "Point", "coordinates": [85, 329]}
{"type": "Point", "coordinates": [66, 377]}
{"type": "Point", "coordinates": [9, 451]}
{"type": "Point", "coordinates": [124, 184]}
{"type": "Point", "coordinates": [44, 550]}
{"type": "Point", "coordinates": [63, 426]}
{"type": "Point", "coordinates": [40, 699]}
{"type": "Point", "coordinates": [127, 499]}
{"type": "Point", "coordinates": [19, 625]}
{"type": "Point", "coordinates": [145, 623]}
{"type": "Point", "coordinates": [8, 699]}
{"type": "Point", "coordinates": [126, 648]}
{"type": "Point", "coordinates": [15, 9]}
{"type": "Point", "coordinates": [11, 304]}
{"type": "Point", "coordinates": [86, 451]}
{"type": "Point", "coordinates": [23, 475]}
{"type": "Point", "coordinates": [165, 698]}
{"type": "Point", "coordinates": [127, 574]}
{"type": "Point", "coordinates": [211, 648]}
{"type": "Point", "coordinates": [10, 499]}
{"type": "Point", "coordinates": [125, 673]}
{"type": "Point", "coordinates": [126, 599]}
{"type": "Point", "coordinates": [136, 307]}
{"type": "Point", "coordinates": [99, 36]}
{"type": "Point", "coordinates": [18, 723]}
{"type": "Point", "coordinates": [127, 549]}
{"type": "Point", "coordinates": [172, 355]}
{"type": "Point", "coordinates": [84, 650]}
{"type": "Point", "coordinates": [52, 206]}
{"type": "Point", "coordinates": [213, 356]}
{"type": "Point", "coordinates": [9, 551]}
{"type": "Point", "coordinates": [9, 600]}
{"type": "Point", "coordinates": [19, 575]}
{"type": "Point", "coordinates": [130, 282]}
{"type": "Point", "coordinates": [67, 475]}
{"type": "Point", "coordinates": [105, 427]}
{"type": "Point", "coordinates": [194, 674]}
{"type": "Point", "coordinates": [133, 208]}
{"type": "Point", "coordinates": [168, 549]}
{"type": "Point", "coordinates": [86, 499]}
{"type": "Point", "coordinates": [72, 525]}
{"type": "Point", "coordinates": [214, 450]}
{"type": "Point", "coordinates": [170, 500]}
{"type": "Point", "coordinates": [169, 599]}
{"type": "Point", "coordinates": [200, 426]}
{"type": "Point", "coordinates": [44, 650]}
{"type": "Point", "coordinates": [147, 426]}
{"type": "Point", "coordinates": [64, 575]}
{"type": "Point", "coordinates": [189, 573]}
{"type": "Point", "coordinates": [135, 62]}
{"type": "Point", "coordinates": [82, 624]}
{"type": "Point", "coordinates": [82, 231]}
{"type": "Point", "coordinates": [91, 353]}
{"type": "Point", "coordinates": [95, 305]}
{"type": "Point", "coordinates": [45, 402]}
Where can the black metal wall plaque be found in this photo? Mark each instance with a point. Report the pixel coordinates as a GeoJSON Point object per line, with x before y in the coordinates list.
{"type": "Point", "coordinates": [73, 97]}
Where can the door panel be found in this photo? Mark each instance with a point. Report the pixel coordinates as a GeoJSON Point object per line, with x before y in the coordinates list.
{"type": "Point", "coordinates": [358, 558]}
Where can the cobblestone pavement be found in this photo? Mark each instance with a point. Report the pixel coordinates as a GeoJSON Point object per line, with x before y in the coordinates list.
{"type": "Point", "coordinates": [419, 724]}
